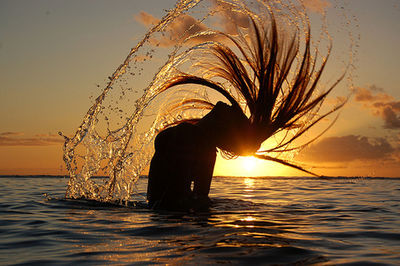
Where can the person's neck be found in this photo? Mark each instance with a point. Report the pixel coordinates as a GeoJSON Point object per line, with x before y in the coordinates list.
{"type": "Point", "coordinates": [209, 125]}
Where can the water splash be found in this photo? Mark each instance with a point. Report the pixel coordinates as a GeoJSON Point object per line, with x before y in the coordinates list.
{"type": "Point", "coordinates": [115, 138]}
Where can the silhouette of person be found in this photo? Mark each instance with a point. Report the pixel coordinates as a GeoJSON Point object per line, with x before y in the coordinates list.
{"type": "Point", "coordinates": [279, 97]}
{"type": "Point", "coordinates": [186, 153]}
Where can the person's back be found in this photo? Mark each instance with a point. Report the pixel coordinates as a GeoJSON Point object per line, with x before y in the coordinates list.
{"type": "Point", "coordinates": [181, 154]}
{"type": "Point", "coordinates": [186, 153]}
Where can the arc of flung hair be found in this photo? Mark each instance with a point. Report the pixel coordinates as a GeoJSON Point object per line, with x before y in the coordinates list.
{"type": "Point", "coordinates": [188, 79]}
{"type": "Point", "coordinates": [269, 158]}
{"type": "Point", "coordinates": [317, 120]}
{"type": "Point", "coordinates": [276, 150]}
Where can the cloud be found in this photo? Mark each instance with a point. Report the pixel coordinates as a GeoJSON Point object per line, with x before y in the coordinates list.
{"type": "Point", "coordinates": [142, 58]}
{"type": "Point", "coordinates": [380, 104]}
{"type": "Point", "coordinates": [11, 134]}
{"type": "Point", "coordinates": [147, 19]}
{"type": "Point", "coordinates": [181, 28]}
{"type": "Point", "coordinates": [229, 18]}
{"type": "Point", "coordinates": [186, 26]}
{"type": "Point", "coordinates": [16, 139]}
{"type": "Point", "coordinates": [348, 148]}
{"type": "Point", "coordinates": [317, 6]}
{"type": "Point", "coordinates": [371, 94]}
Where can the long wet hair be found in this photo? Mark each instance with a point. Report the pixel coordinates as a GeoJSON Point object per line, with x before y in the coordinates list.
{"type": "Point", "coordinates": [280, 96]}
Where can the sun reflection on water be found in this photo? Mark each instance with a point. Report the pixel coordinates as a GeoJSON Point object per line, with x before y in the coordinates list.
{"type": "Point", "coordinates": [248, 182]}
{"type": "Point", "coordinates": [249, 187]}
{"type": "Point", "coordinates": [248, 219]}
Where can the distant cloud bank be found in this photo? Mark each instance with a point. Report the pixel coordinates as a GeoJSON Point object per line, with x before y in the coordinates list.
{"type": "Point", "coordinates": [17, 139]}
{"type": "Point", "coordinates": [348, 148]}
{"type": "Point", "coordinates": [344, 149]}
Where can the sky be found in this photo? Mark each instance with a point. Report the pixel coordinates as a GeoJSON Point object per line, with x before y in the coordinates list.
{"type": "Point", "coordinates": [54, 53]}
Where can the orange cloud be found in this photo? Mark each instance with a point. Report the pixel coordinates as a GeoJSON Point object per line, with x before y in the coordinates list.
{"type": "Point", "coordinates": [317, 6]}
{"type": "Point", "coordinates": [373, 93]}
{"type": "Point", "coordinates": [181, 28]}
{"type": "Point", "coordinates": [186, 26]}
{"type": "Point", "coordinates": [229, 18]}
{"type": "Point", "coordinates": [348, 148]}
{"type": "Point", "coordinates": [380, 104]}
{"type": "Point", "coordinates": [142, 58]}
{"type": "Point", "coordinates": [16, 139]}
{"type": "Point", "coordinates": [11, 134]}
{"type": "Point", "coordinates": [146, 19]}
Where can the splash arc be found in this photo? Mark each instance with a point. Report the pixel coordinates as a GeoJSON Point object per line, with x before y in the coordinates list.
{"type": "Point", "coordinates": [116, 135]}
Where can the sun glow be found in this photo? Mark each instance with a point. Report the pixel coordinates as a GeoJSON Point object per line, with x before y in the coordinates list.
{"type": "Point", "coordinates": [248, 163]}
{"type": "Point", "coordinates": [248, 166]}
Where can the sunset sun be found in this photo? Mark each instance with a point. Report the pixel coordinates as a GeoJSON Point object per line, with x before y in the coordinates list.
{"type": "Point", "coordinates": [248, 163]}
{"type": "Point", "coordinates": [248, 166]}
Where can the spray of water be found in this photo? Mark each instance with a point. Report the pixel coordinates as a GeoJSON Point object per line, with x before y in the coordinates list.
{"type": "Point", "coordinates": [115, 138]}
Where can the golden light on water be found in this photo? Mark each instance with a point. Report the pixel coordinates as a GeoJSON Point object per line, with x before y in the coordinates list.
{"type": "Point", "coordinates": [248, 219]}
{"type": "Point", "coordinates": [249, 183]}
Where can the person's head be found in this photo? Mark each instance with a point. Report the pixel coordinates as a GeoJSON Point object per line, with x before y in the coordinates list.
{"type": "Point", "coordinates": [231, 130]}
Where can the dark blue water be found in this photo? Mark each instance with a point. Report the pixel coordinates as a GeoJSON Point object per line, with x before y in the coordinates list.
{"type": "Point", "coordinates": [252, 221]}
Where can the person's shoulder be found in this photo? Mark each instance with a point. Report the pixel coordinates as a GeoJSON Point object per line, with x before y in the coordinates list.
{"type": "Point", "coordinates": [222, 106]}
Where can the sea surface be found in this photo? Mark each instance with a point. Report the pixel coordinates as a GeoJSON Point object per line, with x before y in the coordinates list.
{"type": "Point", "coordinates": [257, 221]}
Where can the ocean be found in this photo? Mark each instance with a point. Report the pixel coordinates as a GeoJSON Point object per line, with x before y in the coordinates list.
{"type": "Point", "coordinates": [257, 221]}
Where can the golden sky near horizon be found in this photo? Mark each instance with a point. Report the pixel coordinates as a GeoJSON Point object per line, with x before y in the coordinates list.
{"type": "Point", "coordinates": [54, 53]}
